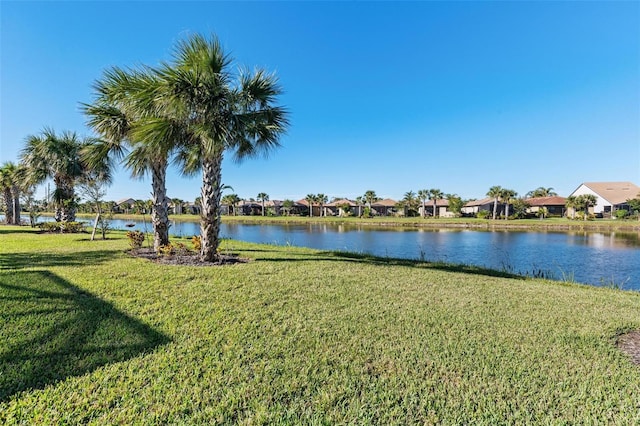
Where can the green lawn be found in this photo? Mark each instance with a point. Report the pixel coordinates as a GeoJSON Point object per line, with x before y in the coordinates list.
{"type": "Point", "coordinates": [297, 336]}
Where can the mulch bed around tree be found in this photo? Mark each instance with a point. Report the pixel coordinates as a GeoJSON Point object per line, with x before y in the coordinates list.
{"type": "Point", "coordinates": [629, 343]}
{"type": "Point", "coordinates": [187, 258]}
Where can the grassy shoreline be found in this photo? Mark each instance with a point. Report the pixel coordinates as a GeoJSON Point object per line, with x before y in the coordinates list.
{"type": "Point", "coordinates": [299, 336]}
{"type": "Point", "coordinates": [559, 224]}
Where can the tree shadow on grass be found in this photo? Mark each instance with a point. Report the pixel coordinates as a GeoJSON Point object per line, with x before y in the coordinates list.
{"type": "Point", "coordinates": [344, 256]}
{"type": "Point", "coordinates": [52, 330]}
{"type": "Point", "coordinates": [45, 259]}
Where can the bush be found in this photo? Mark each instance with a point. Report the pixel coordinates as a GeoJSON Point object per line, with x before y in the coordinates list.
{"type": "Point", "coordinates": [197, 242]}
{"type": "Point", "coordinates": [136, 238]}
{"type": "Point", "coordinates": [62, 227]}
{"type": "Point", "coordinates": [621, 214]}
{"type": "Point", "coordinates": [483, 214]}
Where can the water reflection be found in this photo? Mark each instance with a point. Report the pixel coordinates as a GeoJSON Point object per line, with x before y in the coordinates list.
{"type": "Point", "coordinates": [590, 257]}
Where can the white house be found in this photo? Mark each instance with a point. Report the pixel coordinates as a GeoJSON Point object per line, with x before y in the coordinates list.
{"type": "Point", "coordinates": [611, 196]}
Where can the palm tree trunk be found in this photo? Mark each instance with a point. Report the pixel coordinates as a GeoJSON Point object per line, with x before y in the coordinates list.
{"type": "Point", "coordinates": [506, 211]}
{"type": "Point", "coordinates": [495, 208]}
{"type": "Point", "coordinates": [15, 192]}
{"type": "Point", "coordinates": [435, 201]}
{"type": "Point", "coordinates": [66, 206]}
{"type": "Point", "coordinates": [424, 209]}
{"type": "Point", "coordinates": [8, 206]}
{"type": "Point", "coordinates": [210, 219]}
{"type": "Point", "coordinates": [159, 211]}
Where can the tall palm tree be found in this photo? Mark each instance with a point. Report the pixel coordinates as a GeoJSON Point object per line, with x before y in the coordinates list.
{"type": "Point", "coordinates": [7, 181]}
{"type": "Point", "coordinates": [572, 203]}
{"type": "Point", "coordinates": [495, 192]}
{"type": "Point", "coordinates": [410, 202]}
{"type": "Point", "coordinates": [311, 199]}
{"type": "Point", "coordinates": [322, 199]}
{"type": "Point", "coordinates": [435, 195]}
{"type": "Point", "coordinates": [59, 157]}
{"type": "Point", "coordinates": [423, 196]}
{"type": "Point", "coordinates": [262, 197]}
{"type": "Point", "coordinates": [507, 195]}
{"type": "Point", "coordinates": [126, 115]}
{"type": "Point", "coordinates": [219, 113]}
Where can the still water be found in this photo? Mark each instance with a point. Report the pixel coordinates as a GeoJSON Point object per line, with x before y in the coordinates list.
{"type": "Point", "coordinates": [588, 257]}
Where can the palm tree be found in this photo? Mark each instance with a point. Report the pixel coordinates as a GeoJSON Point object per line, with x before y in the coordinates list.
{"type": "Point", "coordinates": [541, 192]}
{"type": "Point", "coordinates": [586, 201]}
{"type": "Point", "coordinates": [230, 200]}
{"type": "Point", "coordinates": [322, 200]}
{"type": "Point", "coordinates": [572, 203]}
{"type": "Point", "coordinates": [262, 197]}
{"type": "Point", "coordinates": [218, 112]}
{"type": "Point", "coordinates": [423, 196]}
{"type": "Point", "coordinates": [311, 199]}
{"type": "Point", "coordinates": [507, 195]}
{"type": "Point", "coordinates": [360, 202]}
{"type": "Point", "coordinates": [495, 192]}
{"type": "Point", "coordinates": [6, 183]}
{"type": "Point", "coordinates": [410, 202]}
{"type": "Point", "coordinates": [126, 115]}
{"type": "Point", "coordinates": [59, 157]}
{"type": "Point", "coordinates": [435, 195]}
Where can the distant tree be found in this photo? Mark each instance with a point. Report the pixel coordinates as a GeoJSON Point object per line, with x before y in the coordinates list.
{"type": "Point", "coordinates": [360, 202]}
{"type": "Point", "coordinates": [507, 195]}
{"type": "Point", "coordinates": [287, 205]}
{"type": "Point", "coordinates": [230, 200]}
{"type": "Point", "coordinates": [370, 197]}
{"type": "Point", "coordinates": [322, 200]}
{"type": "Point", "coordinates": [520, 207]}
{"type": "Point", "coordinates": [93, 188]}
{"type": "Point", "coordinates": [541, 192]}
{"type": "Point", "coordinates": [262, 197]}
{"type": "Point", "coordinates": [423, 196]}
{"type": "Point", "coordinates": [410, 203]}
{"type": "Point", "coordinates": [435, 195]}
{"type": "Point", "coordinates": [495, 192]}
{"type": "Point", "coordinates": [571, 203]}
{"type": "Point", "coordinates": [311, 199]}
{"type": "Point", "coordinates": [586, 201]}
{"type": "Point", "coordinates": [455, 204]}
{"type": "Point", "coordinates": [634, 205]}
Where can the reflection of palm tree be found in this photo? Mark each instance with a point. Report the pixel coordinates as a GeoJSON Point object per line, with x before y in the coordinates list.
{"type": "Point", "coordinates": [495, 192]}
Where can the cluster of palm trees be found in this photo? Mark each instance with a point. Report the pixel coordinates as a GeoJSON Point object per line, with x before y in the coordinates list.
{"type": "Point", "coordinates": [581, 202]}
{"type": "Point", "coordinates": [411, 200]}
{"type": "Point", "coordinates": [191, 111]}
{"type": "Point", "coordinates": [11, 182]}
{"type": "Point", "coordinates": [504, 195]}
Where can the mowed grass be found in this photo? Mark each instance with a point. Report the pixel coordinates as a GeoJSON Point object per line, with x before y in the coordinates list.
{"type": "Point", "coordinates": [297, 336]}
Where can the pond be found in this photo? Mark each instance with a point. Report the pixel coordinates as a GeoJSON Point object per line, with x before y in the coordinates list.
{"type": "Point", "coordinates": [598, 258]}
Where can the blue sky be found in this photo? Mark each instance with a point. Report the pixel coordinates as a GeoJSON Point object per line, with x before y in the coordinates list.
{"type": "Point", "coordinates": [388, 96]}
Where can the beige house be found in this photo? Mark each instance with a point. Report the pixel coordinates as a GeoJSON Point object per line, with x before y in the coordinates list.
{"type": "Point", "coordinates": [555, 206]}
{"type": "Point", "coordinates": [473, 207]}
{"type": "Point", "coordinates": [611, 196]}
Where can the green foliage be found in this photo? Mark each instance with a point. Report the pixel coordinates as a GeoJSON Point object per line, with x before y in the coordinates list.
{"type": "Point", "coordinates": [621, 214]}
{"type": "Point", "coordinates": [62, 227]}
{"type": "Point", "coordinates": [483, 214]}
{"type": "Point", "coordinates": [136, 238]}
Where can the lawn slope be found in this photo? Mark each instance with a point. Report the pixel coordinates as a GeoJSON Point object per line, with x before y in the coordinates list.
{"type": "Point", "coordinates": [93, 335]}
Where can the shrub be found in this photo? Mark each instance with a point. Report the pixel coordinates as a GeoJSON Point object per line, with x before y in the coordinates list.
{"type": "Point", "coordinates": [621, 214]}
{"type": "Point", "coordinates": [197, 242]}
{"type": "Point", "coordinates": [136, 238]}
{"type": "Point", "coordinates": [167, 250]}
{"type": "Point", "coordinates": [483, 214]}
{"type": "Point", "coordinates": [62, 227]}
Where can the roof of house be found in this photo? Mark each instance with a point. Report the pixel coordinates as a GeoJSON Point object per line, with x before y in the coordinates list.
{"type": "Point", "coordinates": [341, 202]}
{"type": "Point", "coordinates": [387, 202]}
{"type": "Point", "coordinates": [546, 201]}
{"type": "Point", "coordinates": [614, 192]}
{"type": "Point", "coordinates": [125, 200]}
{"type": "Point", "coordinates": [488, 200]}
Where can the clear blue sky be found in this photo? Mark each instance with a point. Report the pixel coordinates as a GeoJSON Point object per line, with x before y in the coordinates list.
{"type": "Point", "coordinates": [388, 96]}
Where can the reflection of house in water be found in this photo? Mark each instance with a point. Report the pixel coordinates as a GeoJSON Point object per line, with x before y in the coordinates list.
{"type": "Point", "coordinates": [611, 196]}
